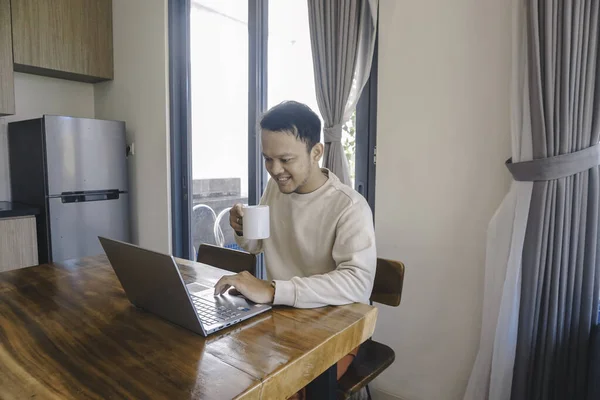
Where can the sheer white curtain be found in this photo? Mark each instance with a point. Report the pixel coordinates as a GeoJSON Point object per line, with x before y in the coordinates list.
{"type": "Point", "coordinates": [366, 46]}
{"type": "Point", "coordinates": [491, 377]}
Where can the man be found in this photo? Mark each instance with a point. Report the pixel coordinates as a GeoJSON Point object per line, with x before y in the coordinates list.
{"type": "Point", "coordinates": [321, 250]}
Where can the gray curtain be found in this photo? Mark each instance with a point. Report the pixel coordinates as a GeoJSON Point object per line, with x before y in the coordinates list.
{"type": "Point", "coordinates": [342, 36]}
{"type": "Point", "coordinates": [561, 256]}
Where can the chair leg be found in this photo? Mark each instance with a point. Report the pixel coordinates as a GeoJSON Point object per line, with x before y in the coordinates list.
{"type": "Point", "coordinates": [368, 393]}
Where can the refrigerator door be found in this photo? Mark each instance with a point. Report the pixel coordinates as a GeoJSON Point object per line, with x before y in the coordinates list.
{"type": "Point", "coordinates": [84, 154]}
{"type": "Point", "coordinates": [76, 221]}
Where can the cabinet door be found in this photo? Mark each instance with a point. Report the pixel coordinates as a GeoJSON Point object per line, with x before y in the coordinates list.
{"type": "Point", "coordinates": [69, 39]}
{"type": "Point", "coordinates": [7, 89]}
{"type": "Point", "coordinates": [18, 243]}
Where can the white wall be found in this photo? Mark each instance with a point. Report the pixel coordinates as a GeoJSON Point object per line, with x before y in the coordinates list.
{"type": "Point", "coordinates": [138, 95]}
{"type": "Point", "coordinates": [35, 96]}
{"type": "Point", "coordinates": [443, 137]}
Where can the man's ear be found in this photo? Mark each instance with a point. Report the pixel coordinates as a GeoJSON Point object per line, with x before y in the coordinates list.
{"type": "Point", "coordinates": [317, 152]}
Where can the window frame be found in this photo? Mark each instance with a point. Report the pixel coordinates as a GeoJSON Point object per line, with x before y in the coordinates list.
{"type": "Point", "coordinates": [179, 125]}
{"type": "Point", "coordinates": [365, 162]}
{"type": "Point", "coordinates": [258, 56]}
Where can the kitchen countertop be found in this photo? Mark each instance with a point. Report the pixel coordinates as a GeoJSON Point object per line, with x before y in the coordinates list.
{"type": "Point", "coordinates": [11, 210]}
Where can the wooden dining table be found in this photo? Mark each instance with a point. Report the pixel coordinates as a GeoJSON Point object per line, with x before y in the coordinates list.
{"type": "Point", "coordinates": [68, 331]}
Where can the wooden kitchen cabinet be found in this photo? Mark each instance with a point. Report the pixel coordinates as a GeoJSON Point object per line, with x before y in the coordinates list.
{"type": "Point", "coordinates": [7, 81]}
{"type": "Point", "coordinates": [68, 39]}
{"type": "Point", "coordinates": [18, 243]}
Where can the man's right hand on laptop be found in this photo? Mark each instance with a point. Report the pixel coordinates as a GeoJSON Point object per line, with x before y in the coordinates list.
{"type": "Point", "coordinates": [252, 288]}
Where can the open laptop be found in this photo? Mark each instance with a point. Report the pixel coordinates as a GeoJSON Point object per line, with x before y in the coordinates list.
{"type": "Point", "coordinates": [152, 282]}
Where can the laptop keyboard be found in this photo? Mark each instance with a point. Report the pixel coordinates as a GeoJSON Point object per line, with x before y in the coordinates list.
{"type": "Point", "coordinates": [210, 312]}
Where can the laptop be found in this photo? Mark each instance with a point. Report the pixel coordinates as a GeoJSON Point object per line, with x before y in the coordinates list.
{"type": "Point", "coordinates": [152, 282]}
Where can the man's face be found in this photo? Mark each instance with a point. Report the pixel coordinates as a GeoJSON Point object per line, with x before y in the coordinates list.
{"type": "Point", "coordinates": [287, 160]}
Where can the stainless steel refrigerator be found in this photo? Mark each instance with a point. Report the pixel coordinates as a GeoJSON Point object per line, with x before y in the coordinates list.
{"type": "Point", "coordinates": [75, 171]}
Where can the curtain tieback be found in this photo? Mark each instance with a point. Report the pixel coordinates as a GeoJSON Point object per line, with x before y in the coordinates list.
{"type": "Point", "coordinates": [333, 133]}
{"type": "Point", "coordinates": [550, 168]}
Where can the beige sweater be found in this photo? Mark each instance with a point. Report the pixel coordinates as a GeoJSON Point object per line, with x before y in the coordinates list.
{"type": "Point", "coordinates": [321, 250]}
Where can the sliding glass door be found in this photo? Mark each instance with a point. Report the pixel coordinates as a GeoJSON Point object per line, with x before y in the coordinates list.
{"type": "Point", "coordinates": [291, 75]}
{"type": "Point", "coordinates": [230, 60]}
{"type": "Point", "coordinates": [219, 117]}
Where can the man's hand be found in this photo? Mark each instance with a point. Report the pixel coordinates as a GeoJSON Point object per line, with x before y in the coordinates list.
{"type": "Point", "coordinates": [246, 284]}
{"type": "Point", "coordinates": [235, 218]}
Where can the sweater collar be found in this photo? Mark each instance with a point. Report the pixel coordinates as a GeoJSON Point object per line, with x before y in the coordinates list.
{"type": "Point", "coordinates": [315, 193]}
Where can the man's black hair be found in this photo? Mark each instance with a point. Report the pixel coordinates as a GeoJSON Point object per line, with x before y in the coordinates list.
{"type": "Point", "coordinates": [295, 118]}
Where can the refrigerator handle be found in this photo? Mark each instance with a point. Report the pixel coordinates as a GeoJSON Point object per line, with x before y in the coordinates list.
{"type": "Point", "coordinates": [92, 195]}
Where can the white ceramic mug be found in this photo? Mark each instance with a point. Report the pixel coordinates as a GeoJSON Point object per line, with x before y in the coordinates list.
{"type": "Point", "coordinates": [256, 222]}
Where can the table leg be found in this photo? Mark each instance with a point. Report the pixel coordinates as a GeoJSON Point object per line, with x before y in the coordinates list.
{"type": "Point", "coordinates": [324, 386]}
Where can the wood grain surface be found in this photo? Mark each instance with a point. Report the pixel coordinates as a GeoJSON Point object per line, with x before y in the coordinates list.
{"type": "Point", "coordinates": [67, 331]}
{"type": "Point", "coordinates": [69, 39]}
{"type": "Point", "coordinates": [18, 243]}
{"type": "Point", "coordinates": [7, 80]}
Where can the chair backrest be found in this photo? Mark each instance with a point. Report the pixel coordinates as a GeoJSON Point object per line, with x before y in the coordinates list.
{"type": "Point", "coordinates": [389, 279]}
{"type": "Point", "coordinates": [227, 259]}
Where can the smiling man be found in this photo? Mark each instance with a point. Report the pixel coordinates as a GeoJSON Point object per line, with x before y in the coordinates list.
{"type": "Point", "coordinates": [321, 250]}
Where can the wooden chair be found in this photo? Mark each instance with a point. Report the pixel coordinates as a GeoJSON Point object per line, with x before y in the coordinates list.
{"type": "Point", "coordinates": [227, 259]}
{"type": "Point", "coordinates": [374, 357]}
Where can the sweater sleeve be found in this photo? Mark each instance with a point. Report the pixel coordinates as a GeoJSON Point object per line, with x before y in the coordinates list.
{"type": "Point", "coordinates": [254, 246]}
{"type": "Point", "coordinates": [355, 255]}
